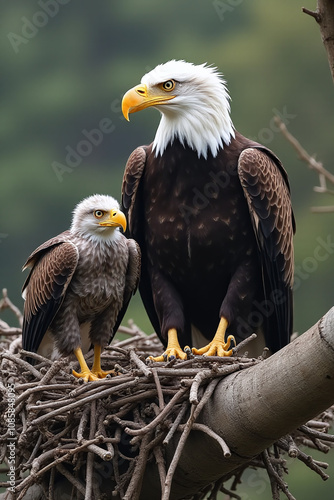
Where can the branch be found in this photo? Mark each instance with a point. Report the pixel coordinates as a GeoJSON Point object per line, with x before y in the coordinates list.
{"type": "Point", "coordinates": [288, 393]}
{"type": "Point", "coordinates": [313, 165]}
{"type": "Point", "coordinates": [324, 16]}
{"type": "Point", "coordinates": [313, 13]}
{"type": "Point", "coordinates": [6, 303]}
{"type": "Point", "coordinates": [302, 153]}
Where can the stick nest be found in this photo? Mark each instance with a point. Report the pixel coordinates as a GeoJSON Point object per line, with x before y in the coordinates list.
{"type": "Point", "coordinates": [94, 440]}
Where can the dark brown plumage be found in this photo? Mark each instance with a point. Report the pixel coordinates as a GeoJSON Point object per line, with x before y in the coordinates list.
{"type": "Point", "coordinates": [215, 234]}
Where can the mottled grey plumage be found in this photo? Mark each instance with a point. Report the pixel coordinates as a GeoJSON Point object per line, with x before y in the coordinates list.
{"type": "Point", "coordinates": [80, 282]}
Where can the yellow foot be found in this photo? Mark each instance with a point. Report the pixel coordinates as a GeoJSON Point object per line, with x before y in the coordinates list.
{"type": "Point", "coordinates": [96, 368]}
{"type": "Point", "coordinates": [218, 346]}
{"type": "Point", "coordinates": [170, 354]}
{"type": "Point", "coordinates": [215, 348]}
{"type": "Point", "coordinates": [96, 373]}
{"type": "Point", "coordinates": [102, 374]}
{"type": "Point", "coordinates": [173, 348]}
{"type": "Point", "coordinates": [87, 375]}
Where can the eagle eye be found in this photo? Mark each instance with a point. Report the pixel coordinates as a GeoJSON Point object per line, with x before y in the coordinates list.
{"type": "Point", "coordinates": [168, 85]}
{"type": "Point", "coordinates": [99, 213]}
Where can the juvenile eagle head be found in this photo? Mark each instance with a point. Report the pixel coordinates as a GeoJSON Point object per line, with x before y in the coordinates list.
{"type": "Point", "coordinates": [98, 218]}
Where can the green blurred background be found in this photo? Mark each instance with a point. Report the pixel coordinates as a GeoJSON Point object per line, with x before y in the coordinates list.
{"type": "Point", "coordinates": [64, 67]}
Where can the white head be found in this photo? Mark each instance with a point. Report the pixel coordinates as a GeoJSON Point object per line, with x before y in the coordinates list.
{"type": "Point", "coordinates": [98, 218]}
{"type": "Point", "coordinates": [194, 104]}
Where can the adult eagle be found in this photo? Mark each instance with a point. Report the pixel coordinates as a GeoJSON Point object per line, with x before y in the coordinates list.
{"type": "Point", "coordinates": [80, 285]}
{"type": "Point", "coordinates": [212, 214]}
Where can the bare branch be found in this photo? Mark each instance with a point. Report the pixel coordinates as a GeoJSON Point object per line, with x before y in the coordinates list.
{"type": "Point", "coordinates": [313, 13]}
{"type": "Point", "coordinates": [313, 165]}
{"type": "Point", "coordinates": [302, 153]}
{"type": "Point", "coordinates": [6, 303]}
{"type": "Point", "coordinates": [324, 16]}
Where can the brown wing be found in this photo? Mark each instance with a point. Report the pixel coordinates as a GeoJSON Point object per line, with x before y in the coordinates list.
{"type": "Point", "coordinates": [133, 271]}
{"type": "Point", "coordinates": [53, 265]}
{"type": "Point", "coordinates": [134, 170]}
{"type": "Point", "coordinates": [131, 279]}
{"type": "Point", "coordinates": [266, 189]}
{"type": "Point", "coordinates": [133, 205]}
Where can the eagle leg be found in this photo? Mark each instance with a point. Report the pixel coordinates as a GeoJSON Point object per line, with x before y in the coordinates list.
{"type": "Point", "coordinates": [173, 348]}
{"type": "Point", "coordinates": [96, 368]}
{"type": "Point", "coordinates": [85, 373]}
{"type": "Point", "coordinates": [218, 346]}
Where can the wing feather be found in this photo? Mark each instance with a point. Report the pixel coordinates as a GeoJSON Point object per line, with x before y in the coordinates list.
{"type": "Point", "coordinates": [131, 279]}
{"type": "Point", "coordinates": [133, 173]}
{"type": "Point", "coordinates": [133, 206]}
{"type": "Point", "coordinates": [266, 189]}
{"type": "Point", "coordinates": [52, 267]}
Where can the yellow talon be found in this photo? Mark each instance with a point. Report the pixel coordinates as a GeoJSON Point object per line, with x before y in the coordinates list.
{"type": "Point", "coordinates": [96, 368]}
{"type": "Point", "coordinates": [173, 348]}
{"type": "Point", "coordinates": [218, 346]}
{"type": "Point", "coordinates": [87, 375]}
{"type": "Point", "coordinates": [96, 372]}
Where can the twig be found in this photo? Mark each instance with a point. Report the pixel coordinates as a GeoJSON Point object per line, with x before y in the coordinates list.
{"type": "Point", "coordinates": [160, 417]}
{"type": "Point", "coordinates": [302, 153]}
{"type": "Point", "coordinates": [76, 404]}
{"type": "Point", "coordinates": [176, 423]}
{"type": "Point", "coordinates": [177, 454]}
{"type": "Point", "coordinates": [195, 411]}
{"type": "Point", "coordinates": [76, 483]}
{"type": "Point", "coordinates": [161, 465]}
{"type": "Point", "coordinates": [100, 452]}
{"type": "Point", "coordinates": [315, 14]}
{"type": "Point", "coordinates": [23, 364]}
{"type": "Point", "coordinates": [319, 424]}
{"type": "Point", "coordinates": [202, 375]}
{"type": "Point", "coordinates": [159, 390]}
{"type": "Point", "coordinates": [36, 356]}
{"type": "Point", "coordinates": [36, 472]}
{"type": "Point", "coordinates": [323, 210]}
{"type": "Point", "coordinates": [51, 483]}
{"type": "Point", "coordinates": [306, 459]}
{"type": "Point", "coordinates": [312, 465]}
{"type": "Point", "coordinates": [8, 331]}
{"type": "Point", "coordinates": [140, 364]}
{"type": "Point", "coordinates": [243, 343]}
{"type": "Point", "coordinates": [6, 303]}
{"type": "Point", "coordinates": [133, 491]}
{"type": "Point", "coordinates": [211, 433]}
{"type": "Point", "coordinates": [34, 452]}
{"type": "Point", "coordinates": [90, 456]}
{"type": "Point", "coordinates": [275, 478]}
{"type": "Point", "coordinates": [83, 423]}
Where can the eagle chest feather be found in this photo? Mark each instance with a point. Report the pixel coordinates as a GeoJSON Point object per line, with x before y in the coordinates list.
{"type": "Point", "coordinates": [104, 284]}
{"type": "Point", "coordinates": [203, 220]}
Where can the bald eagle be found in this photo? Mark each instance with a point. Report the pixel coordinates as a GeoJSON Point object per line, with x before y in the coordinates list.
{"type": "Point", "coordinates": [80, 284]}
{"type": "Point", "coordinates": [211, 211]}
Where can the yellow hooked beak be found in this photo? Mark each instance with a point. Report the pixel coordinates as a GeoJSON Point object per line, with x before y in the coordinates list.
{"type": "Point", "coordinates": [140, 97]}
{"type": "Point", "coordinates": [116, 219]}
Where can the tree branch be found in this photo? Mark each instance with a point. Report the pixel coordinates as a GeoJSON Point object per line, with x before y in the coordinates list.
{"type": "Point", "coordinates": [287, 391]}
{"type": "Point", "coordinates": [324, 16]}
{"type": "Point", "coordinates": [324, 175]}
{"type": "Point", "coordinates": [302, 153]}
